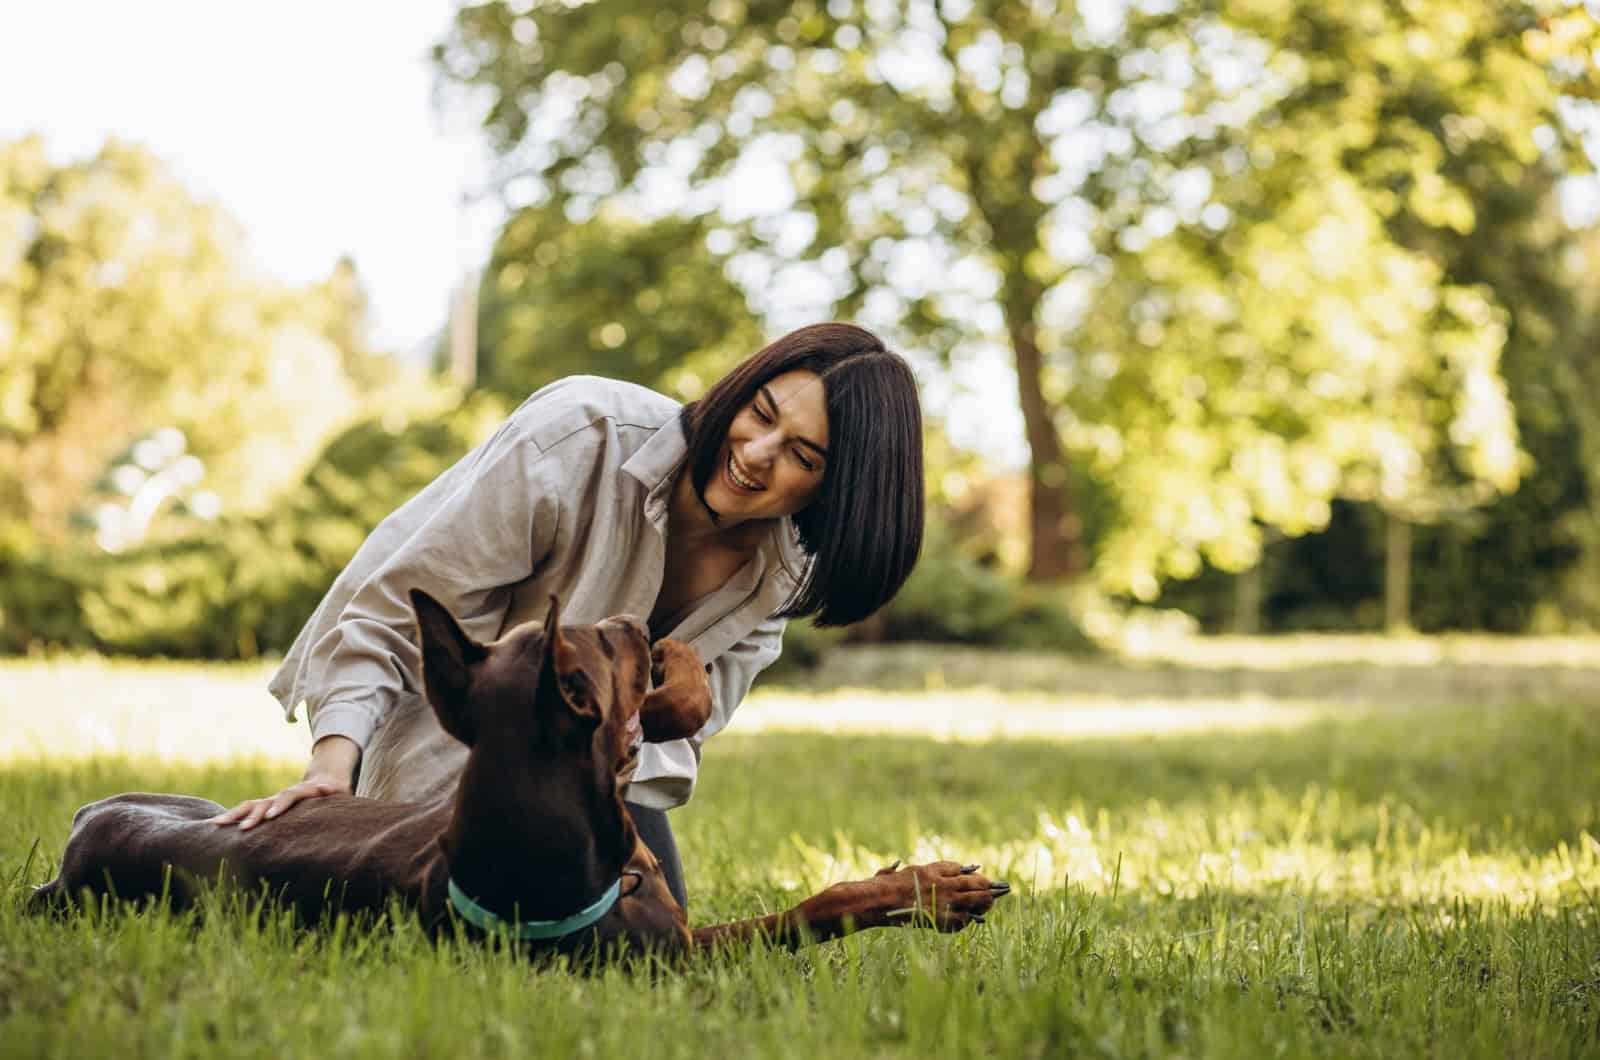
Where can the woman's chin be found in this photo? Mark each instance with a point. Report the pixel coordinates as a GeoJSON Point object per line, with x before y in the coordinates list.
{"type": "Point", "coordinates": [729, 507]}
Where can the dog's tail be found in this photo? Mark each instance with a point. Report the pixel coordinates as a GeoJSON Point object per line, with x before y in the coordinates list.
{"type": "Point", "coordinates": [49, 898]}
{"type": "Point", "coordinates": [44, 900]}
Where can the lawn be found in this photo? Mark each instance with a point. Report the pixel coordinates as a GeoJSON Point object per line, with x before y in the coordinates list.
{"type": "Point", "coordinates": [1226, 857]}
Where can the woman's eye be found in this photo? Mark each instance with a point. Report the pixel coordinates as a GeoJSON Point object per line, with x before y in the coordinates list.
{"type": "Point", "coordinates": [760, 414]}
{"type": "Point", "coordinates": [808, 465]}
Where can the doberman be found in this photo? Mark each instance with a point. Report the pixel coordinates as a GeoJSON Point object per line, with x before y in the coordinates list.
{"type": "Point", "coordinates": [536, 839]}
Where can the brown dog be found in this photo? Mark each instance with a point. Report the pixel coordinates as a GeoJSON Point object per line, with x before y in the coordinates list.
{"type": "Point", "coordinates": [536, 839]}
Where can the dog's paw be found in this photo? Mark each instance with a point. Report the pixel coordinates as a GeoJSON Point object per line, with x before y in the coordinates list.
{"type": "Point", "coordinates": [944, 894]}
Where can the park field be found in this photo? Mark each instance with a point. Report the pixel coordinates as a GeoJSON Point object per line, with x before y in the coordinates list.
{"type": "Point", "coordinates": [1335, 849]}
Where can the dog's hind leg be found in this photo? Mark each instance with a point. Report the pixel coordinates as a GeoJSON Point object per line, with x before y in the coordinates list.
{"type": "Point", "coordinates": [138, 847]}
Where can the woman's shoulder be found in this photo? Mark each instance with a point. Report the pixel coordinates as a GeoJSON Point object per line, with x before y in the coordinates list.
{"type": "Point", "coordinates": [580, 402]}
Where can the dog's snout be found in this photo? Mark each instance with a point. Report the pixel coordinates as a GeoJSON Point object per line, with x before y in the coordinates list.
{"type": "Point", "coordinates": [633, 625]}
{"type": "Point", "coordinates": [631, 632]}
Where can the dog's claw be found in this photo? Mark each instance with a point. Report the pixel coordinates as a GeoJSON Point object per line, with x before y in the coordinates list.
{"type": "Point", "coordinates": [998, 889]}
{"type": "Point", "coordinates": [967, 870]}
{"type": "Point", "coordinates": [977, 918]}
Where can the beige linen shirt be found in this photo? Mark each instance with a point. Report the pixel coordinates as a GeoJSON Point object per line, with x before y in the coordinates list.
{"type": "Point", "coordinates": [568, 497]}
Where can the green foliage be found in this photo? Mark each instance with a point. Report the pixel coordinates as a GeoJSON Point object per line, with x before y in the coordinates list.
{"type": "Point", "coordinates": [955, 598]}
{"type": "Point", "coordinates": [952, 597]}
{"type": "Point", "coordinates": [248, 584]}
{"type": "Point", "coordinates": [1501, 569]}
{"type": "Point", "coordinates": [38, 597]}
{"type": "Point", "coordinates": [1348, 339]}
{"type": "Point", "coordinates": [126, 305]}
{"type": "Point", "coordinates": [1228, 243]}
{"type": "Point", "coordinates": [646, 302]}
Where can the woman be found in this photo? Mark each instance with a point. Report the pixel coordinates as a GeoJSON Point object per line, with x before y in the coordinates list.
{"type": "Point", "coordinates": [793, 488]}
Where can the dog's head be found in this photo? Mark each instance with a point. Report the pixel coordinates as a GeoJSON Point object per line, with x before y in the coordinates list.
{"type": "Point", "coordinates": [557, 690]}
{"type": "Point", "coordinates": [541, 689]}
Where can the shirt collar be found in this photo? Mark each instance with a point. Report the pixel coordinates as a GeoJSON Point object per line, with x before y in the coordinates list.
{"type": "Point", "coordinates": [653, 464]}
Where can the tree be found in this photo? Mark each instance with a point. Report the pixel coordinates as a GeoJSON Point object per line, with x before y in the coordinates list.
{"type": "Point", "coordinates": [630, 299]}
{"type": "Point", "coordinates": [127, 305]}
{"type": "Point", "coordinates": [1055, 180]}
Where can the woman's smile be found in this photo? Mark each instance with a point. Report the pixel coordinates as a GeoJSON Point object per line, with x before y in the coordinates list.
{"type": "Point", "coordinates": [740, 479]}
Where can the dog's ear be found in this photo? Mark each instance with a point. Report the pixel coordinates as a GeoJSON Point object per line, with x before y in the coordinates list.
{"type": "Point", "coordinates": [562, 670]}
{"type": "Point", "coordinates": [448, 656]}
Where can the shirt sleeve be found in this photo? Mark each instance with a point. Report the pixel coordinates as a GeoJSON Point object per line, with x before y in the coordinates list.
{"type": "Point", "coordinates": [667, 771]}
{"type": "Point", "coordinates": [467, 541]}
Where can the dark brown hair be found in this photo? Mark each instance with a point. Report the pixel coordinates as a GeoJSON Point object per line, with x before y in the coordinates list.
{"type": "Point", "coordinates": [863, 530]}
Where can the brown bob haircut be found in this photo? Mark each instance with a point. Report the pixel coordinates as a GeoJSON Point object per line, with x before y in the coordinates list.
{"type": "Point", "coordinates": [863, 531]}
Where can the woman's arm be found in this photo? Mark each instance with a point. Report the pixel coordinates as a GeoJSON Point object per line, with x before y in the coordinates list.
{"type": "Point", "coordinates": [467, 539]}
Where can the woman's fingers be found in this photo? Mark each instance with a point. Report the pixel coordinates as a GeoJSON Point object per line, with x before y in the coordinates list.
{"type": "Point", "coordinates": [257, 814]}
{"type": "Point", "coordinates": [252, 812]}
{"type": "Point", "coordinates": [230, 816]}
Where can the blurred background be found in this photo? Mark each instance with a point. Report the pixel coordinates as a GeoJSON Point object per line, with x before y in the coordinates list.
{"type": "Point", "coordinates": [1230, 316]}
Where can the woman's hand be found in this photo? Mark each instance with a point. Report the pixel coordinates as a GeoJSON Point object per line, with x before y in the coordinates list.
{"type": "Point", "coordinates": [331, 771]}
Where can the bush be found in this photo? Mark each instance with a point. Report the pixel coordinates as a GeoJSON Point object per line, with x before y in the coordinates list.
{"type": "Point", "coordinates": [951, 597]}
{"type": "Point", "coordinates": [38, 599]}
{"type": "Point", "coordinates": [251, 582]}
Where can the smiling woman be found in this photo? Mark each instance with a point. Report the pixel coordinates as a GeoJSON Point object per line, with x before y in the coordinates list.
{"type": "Point", "coordinates": [792, 489]}
{"type": "Point", "coordinates": [829, 406]}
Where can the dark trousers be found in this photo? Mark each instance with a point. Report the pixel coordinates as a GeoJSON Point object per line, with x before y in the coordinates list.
{"type": "Point", "coordinates": [657, 835]}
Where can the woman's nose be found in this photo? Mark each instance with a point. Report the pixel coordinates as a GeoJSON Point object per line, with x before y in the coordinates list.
{"type": "Point", "coordinates": [761, 449]}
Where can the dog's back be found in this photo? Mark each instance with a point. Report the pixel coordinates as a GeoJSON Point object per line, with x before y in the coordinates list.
{"type": "Point", "coordinates": [351, 853]}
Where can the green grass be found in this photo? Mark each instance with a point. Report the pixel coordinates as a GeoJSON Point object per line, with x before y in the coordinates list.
{"type": "Point", "coordinates": [1400, 882]}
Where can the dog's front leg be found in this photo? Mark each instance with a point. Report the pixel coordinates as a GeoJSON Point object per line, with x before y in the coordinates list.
{"type": "Point", "coordinates": [944, 895]}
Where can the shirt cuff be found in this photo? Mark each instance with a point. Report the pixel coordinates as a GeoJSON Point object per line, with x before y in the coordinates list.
{"type": "Point", "coordinates": [343, 719]}
{"type": "Point", "coordinates": [666, 775]}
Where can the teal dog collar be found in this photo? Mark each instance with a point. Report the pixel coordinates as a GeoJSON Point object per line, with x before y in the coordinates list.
{"type": "Point", "coordinates": [479, 917]}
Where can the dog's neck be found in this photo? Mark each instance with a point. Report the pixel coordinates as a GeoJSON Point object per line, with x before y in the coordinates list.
{"type": "Point", "coordinates": [540, 848]}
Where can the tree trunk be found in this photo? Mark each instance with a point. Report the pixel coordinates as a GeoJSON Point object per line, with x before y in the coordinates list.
{"type": "Point", "coordinates": [1396, 574]}
{"type": "Point", "coordinates": [1247, 592]}
{"type": "Point", "coordinates": [1056, 546]}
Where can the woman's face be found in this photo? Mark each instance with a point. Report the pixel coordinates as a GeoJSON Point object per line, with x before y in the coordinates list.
{"type": "Point", "coordinates": [773, 459]}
